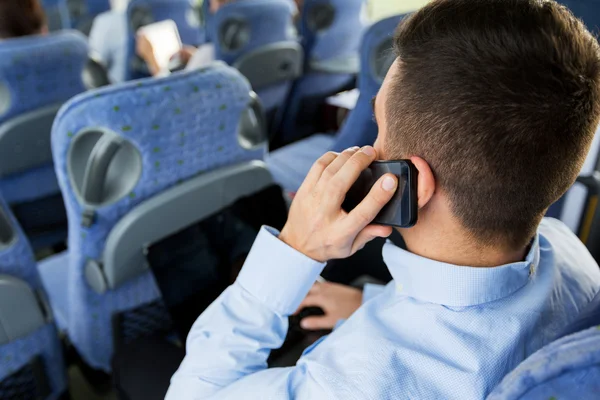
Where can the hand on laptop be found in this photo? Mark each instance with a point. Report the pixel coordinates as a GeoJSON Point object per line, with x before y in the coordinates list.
{"type": "Point", "coordinates": [317, 226]}
{"type": "Point", "coordinates": [337, 302]}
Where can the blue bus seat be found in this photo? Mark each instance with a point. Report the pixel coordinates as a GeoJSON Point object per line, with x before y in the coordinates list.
{"type": "Point", "coordinates": [127, 154]}
{"type": "Point", "coordinates": [37, 75]}
{"type": "Point", "coordinates": [290, 164]}
{"type": "Point", "coordinates": [568, 368]}
{"type": "Point", "coordinates": [31, 360]}
{"type": "Point", "coordinates": [331, 33]}
{"type": "Point", "coordinates": [258, 38]}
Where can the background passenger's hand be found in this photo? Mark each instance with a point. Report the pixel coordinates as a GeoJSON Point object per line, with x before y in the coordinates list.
{"type": "Point", "coordinates": [317, 226]}
{"type": "Point", "coordinates": [337, 302]}
{"type": "Point", "coordinates": [186, 54]}
{"type": "Point", "coordinates": [144, 49]}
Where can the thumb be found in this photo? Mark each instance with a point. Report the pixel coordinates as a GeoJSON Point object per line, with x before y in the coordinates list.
{"type": "Point", "coordinates": [317, 323]}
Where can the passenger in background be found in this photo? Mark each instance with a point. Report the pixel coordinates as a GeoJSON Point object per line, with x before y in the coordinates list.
{"type": "Point", "coordinates": [108, 40]}
{"type": "Point", "coordinates": [498, 128]}
{"type": "Point", "coordinates": [189, 56]}
{"type": "Point", "coordinates": [21, 18]}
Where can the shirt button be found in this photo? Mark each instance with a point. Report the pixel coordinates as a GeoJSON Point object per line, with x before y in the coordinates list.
{"type": "Point", "coordinates": [400, 287]}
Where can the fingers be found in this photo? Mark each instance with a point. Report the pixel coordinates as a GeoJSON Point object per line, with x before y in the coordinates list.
{"type": "Point", "coordinates": [338, 163]}
{"type": "Point", "coordinates": [347, 176]}
{"type": "Point", "coordinates": [381, 193]}
{"type": "Point", "coordinates": [369, 233]}
{"type": "Point", "coordinates": [317, 170]}
{"type": "Point", "coordinates": [317, 323]}
{"type": "Point", "coordinates": [347, 168]}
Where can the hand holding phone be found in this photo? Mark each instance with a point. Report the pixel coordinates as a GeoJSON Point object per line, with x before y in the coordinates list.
{"type": "Point", "coordinates": [317, 225]}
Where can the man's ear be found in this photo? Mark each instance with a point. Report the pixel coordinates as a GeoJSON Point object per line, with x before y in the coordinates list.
{"type": "Point", "coordinates": [425, 182]}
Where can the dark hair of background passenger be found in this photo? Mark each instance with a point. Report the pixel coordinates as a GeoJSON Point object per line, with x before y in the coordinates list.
{"type": "Point", "coordinates": [21, 18]}
{"type": "Point", "coordinates": [502, 99]}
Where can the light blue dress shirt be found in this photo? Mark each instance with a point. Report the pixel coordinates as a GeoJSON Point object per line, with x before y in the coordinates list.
{"type": "Point", "coordinates": [108, 41]}
{"type": "Point", "coordinates": [437, 331]}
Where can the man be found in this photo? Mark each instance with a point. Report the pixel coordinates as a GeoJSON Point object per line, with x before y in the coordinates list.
{"type": "Point", "coordinates": [496, 103]}
{"type": "Point", "coordinates": [108, 40]}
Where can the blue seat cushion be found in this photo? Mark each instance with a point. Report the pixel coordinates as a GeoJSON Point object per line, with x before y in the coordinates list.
{"type": "Point", "coordinates": [290, 164]}
{"type": "Point", "coordinates": [566, 369]}
{"type": "Point", "coordinates": [54, 271]}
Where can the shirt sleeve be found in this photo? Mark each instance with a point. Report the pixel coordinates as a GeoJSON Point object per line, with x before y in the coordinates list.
{"type": "Point", "coordinates": [98, 44]}
{"type": "Point", "coordinates": [228, 346]}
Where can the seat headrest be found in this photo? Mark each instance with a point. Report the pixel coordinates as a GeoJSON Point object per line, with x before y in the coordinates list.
{"type": "Point", "coordinates": [37, 71]}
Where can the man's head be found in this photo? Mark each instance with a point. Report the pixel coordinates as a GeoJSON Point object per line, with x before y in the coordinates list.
{"type": "Point", "coordinates": [501, 99]}
{"type": "Point", "coordinates": [21, 18]}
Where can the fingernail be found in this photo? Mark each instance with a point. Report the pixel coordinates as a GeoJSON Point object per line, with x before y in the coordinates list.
{"type": "Point", "coordinates": [368, 150]}
{"type": "Point", "coordinates": [355, 148]}
{"type": "Point", "coordinates": [303, 324]}
{"type": "Point", "coordinates": [389, 184]}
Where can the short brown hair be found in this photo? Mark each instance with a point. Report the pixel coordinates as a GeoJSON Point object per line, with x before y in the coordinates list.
{"type": "Point", "coordinates": [501, 98]}
{"type": "Point", "coordinates": [20, 18]}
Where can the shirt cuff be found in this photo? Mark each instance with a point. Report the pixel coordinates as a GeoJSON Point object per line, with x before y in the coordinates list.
{"type": "Point", "coordinates": [371, 290]}
{"type": "Point", "coordinates": [276, 274]}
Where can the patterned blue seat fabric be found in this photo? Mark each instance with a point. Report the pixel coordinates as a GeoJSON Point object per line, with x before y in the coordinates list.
{"type": "Point", "coordinates": [569, 368]}
{"type": "Point", "coordinates": [37, 75]}
{"type": "Point", "coordinates": [260, 23]}
{"type": "Point", "coordinates": [290, 164]}
{"type": "Point", "coordinates": [16, 377]}
{"type": "Point", "coordinates": [144, 12]}
{"type": "Point", "coordinates": [325, 40]}
{"type": "Point", "coordinates": [180, 126]}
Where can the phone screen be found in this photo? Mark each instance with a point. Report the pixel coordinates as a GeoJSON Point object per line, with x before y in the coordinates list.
{"type": "Point", "coordinates": [165, 40]}
{"type": "Point", "coordinates": [401, 210]}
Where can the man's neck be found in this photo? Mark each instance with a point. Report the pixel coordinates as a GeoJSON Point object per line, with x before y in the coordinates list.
{"type": "Point", "coordinates": [444, 240]}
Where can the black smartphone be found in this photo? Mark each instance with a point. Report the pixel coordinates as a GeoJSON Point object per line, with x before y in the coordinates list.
{"type": "Point", "coordinates": [402, 209]}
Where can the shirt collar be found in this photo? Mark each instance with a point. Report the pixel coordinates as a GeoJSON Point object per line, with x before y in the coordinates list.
{"type": "Point", "coordinates": [457, 286]}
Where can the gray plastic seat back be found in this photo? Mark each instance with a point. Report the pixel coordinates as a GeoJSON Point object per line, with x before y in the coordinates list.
{"type": "Point", "coordinates": [272, 64]}
{"type": "Point", "coordinates": [168, 213]}
{"type": "Point", "coordinates": [20, 312]}
{"type": "Point", "coordinates": [25, 141]}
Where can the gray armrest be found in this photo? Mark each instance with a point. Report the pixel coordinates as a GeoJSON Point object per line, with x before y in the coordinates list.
{"type": "Point", "coordinates": [341, 65]}
{"type": "Point", "coordinates": [168, 213]}
{"type": "Point", "coordinates": [25, 141]}
{"type": "Point", "coordinates": [20, 312]}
